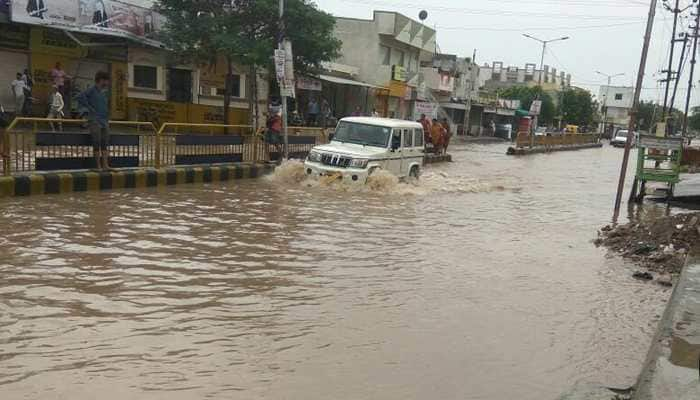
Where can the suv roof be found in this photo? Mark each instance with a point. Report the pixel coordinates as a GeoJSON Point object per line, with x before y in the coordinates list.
{"type": "Point", "coordinates": [385, 122]}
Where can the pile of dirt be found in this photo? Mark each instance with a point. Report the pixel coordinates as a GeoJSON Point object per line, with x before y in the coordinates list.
{"type": "Point", "coordinates": [659, 246]}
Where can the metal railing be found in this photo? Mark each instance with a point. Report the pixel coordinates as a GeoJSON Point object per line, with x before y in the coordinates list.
{"type": "Point", "coordinates": [30, 144]}
{"type": "Point", "coordinates": [557, 140]}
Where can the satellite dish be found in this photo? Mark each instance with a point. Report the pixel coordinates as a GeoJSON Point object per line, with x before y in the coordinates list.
{"type": "Point", "coordinates": [423, 15]}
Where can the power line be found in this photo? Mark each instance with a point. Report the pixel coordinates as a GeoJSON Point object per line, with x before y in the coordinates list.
{"type": "Point", "coordinates": [538, 28]}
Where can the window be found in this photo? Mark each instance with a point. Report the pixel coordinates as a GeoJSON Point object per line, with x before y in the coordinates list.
{"type": "Point", "coordinates": [618, 96]}
{"type": "Point", "coordinates": [407, 138]}
{"type": "Point", "coordinates": [418, 141]}
{"type": "Point", "coordinates": [146, 77]}
{"type": "Point", "coordinates": [401, 58]}
{"type": "Point", "coordinates": [179, 85]}
{"type": "Point", "coordinates": [385, 55]}
{"type": "Point", "coordinates": [396, 139]}
{"type": "Point", "coordinates": [221, 91]}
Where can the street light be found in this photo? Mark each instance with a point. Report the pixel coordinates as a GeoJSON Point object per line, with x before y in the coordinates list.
{"type": "Point", "coordinates": [605, 100]}
{"type": "Point", "coordinates": [544, 49]}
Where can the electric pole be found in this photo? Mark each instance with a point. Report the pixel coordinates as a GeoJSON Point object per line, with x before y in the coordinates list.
{"type": "Point", "coordinates": [693, 60]}
{"type": "Point", "coordinates": [669, 71]}
{"type": "Point", "coordinates": [282, 86]}
{"type": "Point", "coordinates": [635, 107]}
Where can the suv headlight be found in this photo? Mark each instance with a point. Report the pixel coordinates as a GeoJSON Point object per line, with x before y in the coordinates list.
{"type": "Point", "coordinates": [314, 156]}
{"type": "Point", "coordinates": [358, 163]}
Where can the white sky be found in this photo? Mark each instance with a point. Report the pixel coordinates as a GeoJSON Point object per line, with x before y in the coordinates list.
{"type": "Point", "coordinates": [606, 35]}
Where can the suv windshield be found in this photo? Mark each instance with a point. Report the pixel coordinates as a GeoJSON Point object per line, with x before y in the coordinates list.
{"type": "Point", "coordinates": [368, 135]}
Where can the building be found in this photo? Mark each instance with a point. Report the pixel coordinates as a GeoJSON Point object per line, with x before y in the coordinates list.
{"type": "Point", "coordinates": [146, 83]}
{"type": "Point", "coordinates": [618, 102]}
{"type": "Point", "coordinates": [386, 52]}
{"type": "Point", "coordinates": [496, 76]}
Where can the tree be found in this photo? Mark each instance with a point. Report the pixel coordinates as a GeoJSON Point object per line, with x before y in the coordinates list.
{"type": "Point", "coordinates": [649, 114]}
{"type": "Point", "coordinates": [694, 120]}
{"type": "Point", "coordinates": [577, 107]}
{"type": "Point", "coordinates": [527, 95]}
{"type": "Point", "coordinates": [246, 32]}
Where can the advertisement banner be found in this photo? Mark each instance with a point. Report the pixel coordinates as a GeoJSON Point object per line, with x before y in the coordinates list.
{"type": "Point", "coordinates": [106, 17]}
{"type": "Point", "coordinates": [429, 109]}
{"type": "Point", "coordinates": [447, 83]}
{"type": "Point", "coordinates": [536, 107]}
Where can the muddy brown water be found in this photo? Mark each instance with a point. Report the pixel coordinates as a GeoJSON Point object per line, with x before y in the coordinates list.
{"type": "Point", "coordinates": [479, 283]}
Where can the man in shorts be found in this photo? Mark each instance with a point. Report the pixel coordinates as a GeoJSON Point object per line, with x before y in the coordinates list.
{"type": "Point", "coordinates": [96, 101]}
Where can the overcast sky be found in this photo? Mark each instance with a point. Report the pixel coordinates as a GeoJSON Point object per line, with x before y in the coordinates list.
{"type": "Point", "coordinates": [606, 35]}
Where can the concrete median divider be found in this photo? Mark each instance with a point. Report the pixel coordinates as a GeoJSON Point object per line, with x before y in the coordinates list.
{"type": "Point", "coordinates": [527, 144]}
{"type": "Point", "coordinates": [83, 181]}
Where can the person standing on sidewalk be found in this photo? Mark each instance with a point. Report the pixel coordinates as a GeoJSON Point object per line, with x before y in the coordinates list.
{"type": "Point", "coordinates": [18, 87]}
{"type": "Point", "coordinates": [95, 101]}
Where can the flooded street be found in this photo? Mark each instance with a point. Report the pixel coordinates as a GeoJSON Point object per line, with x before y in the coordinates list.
{"type": "Point", "coordinates": [480, 283]}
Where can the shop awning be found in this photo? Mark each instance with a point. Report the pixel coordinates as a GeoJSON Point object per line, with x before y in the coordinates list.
{"type": "Point", "coordinates": [454, 106]}
{"type": "Point", "coordinates": [344, 81]}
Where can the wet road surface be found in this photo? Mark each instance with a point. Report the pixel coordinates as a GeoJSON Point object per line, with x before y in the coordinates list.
{"type": "Point", "coordinates": [480, 283]}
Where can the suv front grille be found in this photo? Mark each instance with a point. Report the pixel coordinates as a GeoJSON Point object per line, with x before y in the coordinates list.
{"type": "Point", "coordinates": [335, 160]}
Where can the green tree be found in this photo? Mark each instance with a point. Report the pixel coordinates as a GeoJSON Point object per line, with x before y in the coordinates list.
{"type": "Point", "coordinates": [694, 119]}
{"type": "Point", "coordinates": [246, 32]}
{"type": "Point", "coordinates": [577, 107]}
{"type": "Point", "coordinates": [527, 95]}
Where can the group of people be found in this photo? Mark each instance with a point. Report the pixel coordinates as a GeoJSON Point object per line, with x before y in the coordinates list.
{"type": "Point", "coordinates": [22, 88]}
{"type": "Point", "coordinates": [436, 133]}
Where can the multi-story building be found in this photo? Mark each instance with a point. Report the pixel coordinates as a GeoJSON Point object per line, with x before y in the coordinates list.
{"type": "Point", "coordinates": [497, 76]}
{"type": "Point", "coordinates": [146, 83]}
{"type": "Point", "coordinates": [386, 52]}
{"type": "Point", "coordinates": [618, 102]}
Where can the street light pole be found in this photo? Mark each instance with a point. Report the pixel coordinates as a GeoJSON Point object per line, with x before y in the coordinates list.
{"type": "Point", "coordinates": [282, 84]}
{"type": "Point", "coordinates": [544, 49]}
{"type": "Point", "coordinates": [605, 100]}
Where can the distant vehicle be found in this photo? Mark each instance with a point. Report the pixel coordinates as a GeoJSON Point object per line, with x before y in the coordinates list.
{"type": "Point", "coordinates": [620, 139]}
{"type": "Point", "coordinates": [571, 129]}
{"type": "Point", "coordinates": [363, 145]}
{"type": "Point", "coordinates": [541, 131]}
{"type": "Point", "coordinates": [504, 131]}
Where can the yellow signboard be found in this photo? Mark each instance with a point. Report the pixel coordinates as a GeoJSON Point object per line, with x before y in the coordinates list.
{"type": "Point", "coordinates": [55, 43]}
{"type": "Point", "coordinates": [118, 101]}
{"type": "Point", "coordinates": [160, 112]}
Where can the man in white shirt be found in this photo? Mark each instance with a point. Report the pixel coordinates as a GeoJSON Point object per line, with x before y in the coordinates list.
{"type": "Point", "coordinates": [18, 86]}
{"type": "Point", "coordinates": [56, 107]}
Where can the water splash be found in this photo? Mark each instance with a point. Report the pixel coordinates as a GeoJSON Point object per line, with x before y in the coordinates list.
{"type": "Point", "coordinates": [291, 173]}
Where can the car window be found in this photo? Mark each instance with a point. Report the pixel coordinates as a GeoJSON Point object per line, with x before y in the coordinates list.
{"type": "Point", "coordinates": [418, 141]}
{"type": "Point", "coordinates": [396, 139]}
{"type": "Point", "coordinates": [407, 138]}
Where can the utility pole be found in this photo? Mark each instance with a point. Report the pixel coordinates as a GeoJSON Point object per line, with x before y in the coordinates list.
{"type": "Point", "coordinates": [692, 70]}
{"type": "Point", "coordinates": [282, 88]}
{"type": "Point", "coordinates": [635, 107]}
{"type": "Point", "coordinates": [605, 100]}
{"type": "Point", "coordinates": [669, 72]}
{"type": "Point", "coordinates": [679, 72]}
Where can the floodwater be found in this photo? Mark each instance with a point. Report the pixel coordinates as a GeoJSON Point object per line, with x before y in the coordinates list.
{"type": "Point", "coordinates": [479, 283]}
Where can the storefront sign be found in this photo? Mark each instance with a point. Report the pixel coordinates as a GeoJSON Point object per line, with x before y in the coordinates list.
{"type": "Point", "coordinates": [429, 109]}
{"type": "Point", "coordinates": [120, 81]}
{"type": "Point", "coordinates": [306, 83]}
{"type": "Point", "coordinates": [14, 36]}
{"type": "Point", "coordinates": [399, 73]}
{"type": "Point", "coordinates": [106, 17]}
{"type": "Point", "coordinates": [54, 42]}
{"type": "Point", "coordinates": [397, 89]}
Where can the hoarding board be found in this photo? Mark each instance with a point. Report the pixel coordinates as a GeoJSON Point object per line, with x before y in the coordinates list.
{"type": "Point", "coordinates": [106, 17]}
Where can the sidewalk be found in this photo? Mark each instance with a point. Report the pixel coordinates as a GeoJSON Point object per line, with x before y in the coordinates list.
{"type": "Point", "coordinates": [672, 368]}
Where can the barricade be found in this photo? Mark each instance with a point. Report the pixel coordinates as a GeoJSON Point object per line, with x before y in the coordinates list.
{"type": "Point", "coordinates": [43, 144]}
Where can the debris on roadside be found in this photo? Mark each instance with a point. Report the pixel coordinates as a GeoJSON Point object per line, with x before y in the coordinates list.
{"type": "Point", "coordinates": [659, 246]}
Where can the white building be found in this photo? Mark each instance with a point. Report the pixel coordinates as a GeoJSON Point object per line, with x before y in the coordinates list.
{"type": "Point", "coordinates": [618, 100]}
{"type": "Point", "coordinates": [497, 76]}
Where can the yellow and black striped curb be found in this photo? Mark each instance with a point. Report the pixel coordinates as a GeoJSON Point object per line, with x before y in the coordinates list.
{"type": "Point", "coordinates": [68, 182]}
{"type": "Point", "coordinates": [437, 158]}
